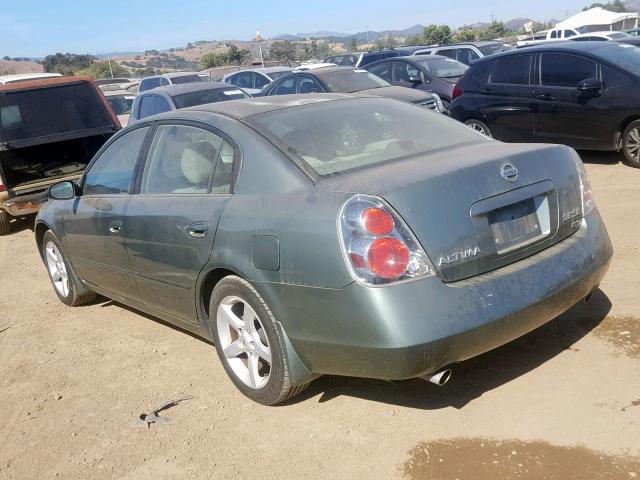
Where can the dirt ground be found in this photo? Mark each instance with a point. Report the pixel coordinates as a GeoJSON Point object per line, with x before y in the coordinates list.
{"type": "Point", "coordinates": [561, 403]}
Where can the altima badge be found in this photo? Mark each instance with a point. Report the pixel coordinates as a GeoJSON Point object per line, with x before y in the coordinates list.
{"type": "Point", "coordinates": [509, 172]}
{"type": "Point", "coordinates": [459, 256]}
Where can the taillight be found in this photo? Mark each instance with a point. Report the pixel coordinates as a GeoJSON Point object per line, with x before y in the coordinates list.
{"type": "Point", "coordinates": [3, 187]}
{"type": "Point", "coordinates": [588, 203]}
{"type": "Point", "coordinates": [457, 91]}
{"type": "Point", "coordinates": [378, 246]}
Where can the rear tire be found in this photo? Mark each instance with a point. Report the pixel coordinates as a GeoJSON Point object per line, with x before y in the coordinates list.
{"type": "Point", "coordinates": [631, 144]}
{"type": "Point", "coordinates": [64, 282]}
{"type": "Point", "coordinates": [249, 344]}
{"type": "Point", "coordinates": [479, 127]}
{"type": "Point", "coordinates": [5, 222]}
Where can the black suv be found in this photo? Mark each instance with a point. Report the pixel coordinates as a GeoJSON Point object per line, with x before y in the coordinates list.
{"type": "Point", "coordinates": [582, 94]}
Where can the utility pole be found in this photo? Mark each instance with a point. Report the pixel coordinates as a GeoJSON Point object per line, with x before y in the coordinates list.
{"type": "Point", "coordinates": [110, 69]}
{"type": "Point", "coordinates": [259, 39]}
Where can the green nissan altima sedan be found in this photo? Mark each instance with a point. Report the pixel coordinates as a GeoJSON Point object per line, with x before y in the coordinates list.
{"type": "Point", "coordinates": [327, 234]}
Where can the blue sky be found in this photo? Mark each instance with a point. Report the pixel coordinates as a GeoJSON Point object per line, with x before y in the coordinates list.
{"type": "Point", "coordinates": [39, 27]}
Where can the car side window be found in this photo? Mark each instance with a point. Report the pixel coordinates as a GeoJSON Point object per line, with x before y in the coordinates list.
{"type": "Point", "coordinates": [467, 55]}
{"type": "Point", "coordinates": [554, 34]}
{"type": "Point", "coordinates": [146, 106]}
{"type": "Point", "coordinates": [512, 69]}
{"type": "Point", "coordinates": [308, 84]}
{"type": "Point", "coordinates": [113, 171]}
{"type": "Point", "coordinates": [181, 160]}
{"type": "Point", "coordinates": [244, 80]}
{"type": "Point", "coordinates": [148, 84]}
{"type": "Point", "coordinates": [163, 81]}
{"type": "Point", "coordinates": [259, 80]}
{"type": "Point", "coordinates": [161, 105]}
{"type": "Point", "coordinates": [568, 33]}
{"type": "Point", "coordinates": [285, 87]}
{"type": "Point", "coordinates": [560, 70]}
{"type": "Point", "coordinates": [382, 70]}
{"type": "Point", "coordinates": [224, 170]}
{"type": "Point", "coordinates": [404, 72]}
{"type": "Point", "coordinates": [448, 52]}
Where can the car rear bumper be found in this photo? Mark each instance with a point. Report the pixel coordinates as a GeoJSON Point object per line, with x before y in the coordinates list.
{"type": "Point", "coordinates": [415, 328]}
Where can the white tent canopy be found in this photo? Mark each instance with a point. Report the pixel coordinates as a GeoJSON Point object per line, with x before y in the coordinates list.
{"type": "Point", "coordinates": [598, 18]}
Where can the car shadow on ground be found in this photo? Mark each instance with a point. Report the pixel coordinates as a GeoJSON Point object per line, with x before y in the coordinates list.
{"type": "Point", "coordinates": [476, 376]}
{"type": "Point", "coordinates": [21, 224]}
{"type": "Point", "coordinates": [602, 158]}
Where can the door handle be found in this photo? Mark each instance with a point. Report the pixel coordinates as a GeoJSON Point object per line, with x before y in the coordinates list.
{"type": "Point", "coordinates": [545, 97]}
{"type": "Point", "coordinates": [115, 227]}
{"type": "Point", "coordinates": [198, 230]}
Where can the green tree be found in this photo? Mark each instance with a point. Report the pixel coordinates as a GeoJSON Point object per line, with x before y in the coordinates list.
{"type": "Point", "coordinates": [436, 34]}
{"type": "Point", "coordinates": [615, 6]}
{"type": "Point", "coordinates": [233, 56]}
{"type": "Point", "coordinates": [66, 63]}
{"type": "Point", "coordinates": [494, 30]}
{"type": "Point", "coordinates": [462, 36]}
{"type": "Point", "coordinates": [6, 58]}
{"type": "Point", "coordinates": [353, 46]}
{"type": "Point", "coordinates": [213, 59]}
{"type": "Point", "coordinates": [99, 70]}
{"type": "Point", "coordinates": [283, 50]}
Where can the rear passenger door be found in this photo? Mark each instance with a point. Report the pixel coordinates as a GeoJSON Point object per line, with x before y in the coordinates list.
{"type": "Point", "coordinates": [562, 113]}
{"type": "Point", "coordinates": [171, 223]}
{"type": "Point", "coordinates": [507, 100]}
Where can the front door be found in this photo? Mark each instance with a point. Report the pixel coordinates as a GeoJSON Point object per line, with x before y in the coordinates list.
{"type": "Point", "coordinates": [171, 223]}
{"type": "Point", "coordinates": [562, 113]}
{"type": "Point", "coordinates": [94, 230]}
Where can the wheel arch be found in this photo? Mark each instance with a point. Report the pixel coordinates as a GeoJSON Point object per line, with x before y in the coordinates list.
{"type": "Point", "coordinates": [40, 229]}
{"type": "Point", "coordinates": [208, 282]}
{"type": "Point", "coordinates": [620, 131]}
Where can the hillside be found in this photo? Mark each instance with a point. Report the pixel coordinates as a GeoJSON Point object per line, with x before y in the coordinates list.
{"type": "Point", "coordinates": [26, 66]}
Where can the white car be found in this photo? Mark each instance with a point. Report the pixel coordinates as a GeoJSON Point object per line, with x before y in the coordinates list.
{"type": "Point", "coordinates": [121, 102]}
{"type": "Point", "coordinates": [254, 80]}
{"type": "Point", "coordinates": [175, 78]}
{"type": "Point", "coordinates": [603, 36]}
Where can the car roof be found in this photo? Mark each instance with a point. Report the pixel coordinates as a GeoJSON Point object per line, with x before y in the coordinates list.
{"type": "Point", "coordinates": [187, 88]}
{"type": "Point", "coordinates": [118, 93]}
{"type": "Point", "coordinates": [20, 77]}
{"type": "Point", "coordinates": [415, 58]}
{"type": "Point", "coordinates": [413, 48]}
{"type": "Point", "coordinates": [598, 49]}
{"type": "Point", "coordinates": [240, 109]}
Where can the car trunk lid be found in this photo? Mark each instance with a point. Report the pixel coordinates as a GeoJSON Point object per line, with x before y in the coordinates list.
{"type": "Point", "coordinates": [478, 207]}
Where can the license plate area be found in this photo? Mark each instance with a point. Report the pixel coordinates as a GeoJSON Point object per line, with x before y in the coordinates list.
{"type": "Point", "coordinates": [519, 224]}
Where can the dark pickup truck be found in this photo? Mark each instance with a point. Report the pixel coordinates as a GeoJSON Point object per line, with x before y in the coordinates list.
{"type": "Point", "coordinates": [49, 131]}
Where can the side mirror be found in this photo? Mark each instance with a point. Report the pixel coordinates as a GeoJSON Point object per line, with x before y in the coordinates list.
{"type": "Point", "coordinates": [63, 190]}
{"type": "Point", "coordinates": [590, 85]}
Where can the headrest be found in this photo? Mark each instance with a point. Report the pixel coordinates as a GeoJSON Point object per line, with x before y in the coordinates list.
{"type": "Point", "coordinates": [197, 163]}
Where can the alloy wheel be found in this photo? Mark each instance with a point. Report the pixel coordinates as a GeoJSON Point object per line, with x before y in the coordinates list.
{"type": "Point", "coordinates": [243, 341]}
{"type": "Point", "coordinates": [478, 127]}
{"type": "Point", "coordinates": [57, 269]}
{"type": "Point", "coordinates": [633, 145]}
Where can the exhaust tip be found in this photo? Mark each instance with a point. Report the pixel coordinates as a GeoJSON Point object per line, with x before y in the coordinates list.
{"type": "Point", "coordinates": [439, 378]}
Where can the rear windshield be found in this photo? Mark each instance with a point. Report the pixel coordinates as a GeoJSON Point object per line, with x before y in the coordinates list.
{"type": "Point", "coordinates": [338, 136]}
{"type": "Point", "coordinates": [53, 110]}
{"type": "Point", "coordinates": [493, 48]}
{"type": "Point", "coordinates": [190, 79]}
{"type": "Point", "coordinates": [349, 81]}
{"type": "Point", "coordinates": [624, 56]}
{"type": "Point", "coordinates": [201, 97]}
{"type": "Point", "coordinates": [444, 67]}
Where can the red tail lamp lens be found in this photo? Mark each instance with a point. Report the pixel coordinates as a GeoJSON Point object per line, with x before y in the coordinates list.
{"type": "Point", "coordinates": [377, 221]}
{"type": "Point", "coordinates": [388, 257]}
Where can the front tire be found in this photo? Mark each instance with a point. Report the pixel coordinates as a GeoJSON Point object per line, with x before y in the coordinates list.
{"type": "Point", "coordinates": [64, 281]}
{"type": "Point", "coordinates": [5, 223]}
{"type": "Point", "coordinates": [248, 342]}
{"type": "Point", "coordinates": [631, 144]}
{"type": "Point", "coordinates": [479, 127]}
